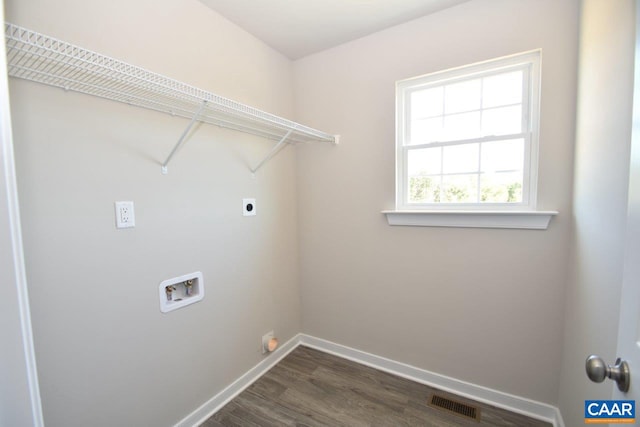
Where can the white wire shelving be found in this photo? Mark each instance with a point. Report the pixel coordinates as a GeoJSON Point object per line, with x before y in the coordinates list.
{"type": "Point", "coordinates": [43, 59]}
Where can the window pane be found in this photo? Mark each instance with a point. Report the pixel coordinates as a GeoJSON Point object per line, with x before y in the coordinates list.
{"type": "Point", "coordinates": [424, 189]}
{"type": "Point", "coordinates": [465, 135]}
{"type": "Point", "coordinates": [459, 189]}
{"type": "Point", "coordinates": [502, 121]}
{"type": "Point", "coordinates": [425, 161]}
{"type": "Point", "coordinates": [503, 89]}
{"type": "Point", "coordinates": [461, 158]}
{"type": "Point", "coordinates": [503, 156]}
{"type": "Point", "coordinates": [426, 103]}
{"type": "Point", "coordinates": [426, 130]}
{"type": "Point", "coordinates": [461, 126]}
{"type": "Point", "coordinates": [463, 96]}
{"type": "Point", "coordinates": [501, 187]}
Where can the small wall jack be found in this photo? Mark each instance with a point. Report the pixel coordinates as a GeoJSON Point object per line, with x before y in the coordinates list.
{"type": "Point", "coordinates": [269, 342]}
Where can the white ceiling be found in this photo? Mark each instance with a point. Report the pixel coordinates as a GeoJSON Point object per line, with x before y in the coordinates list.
{"type": "Point", "coordinates": [298, 28]}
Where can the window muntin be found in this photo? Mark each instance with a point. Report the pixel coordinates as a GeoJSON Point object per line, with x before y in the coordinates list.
{"type": "Point", "coordinates": [467, 138]}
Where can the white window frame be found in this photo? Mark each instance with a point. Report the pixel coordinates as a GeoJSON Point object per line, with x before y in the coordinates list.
{"type": "Point", "coordinates": [493, 215]}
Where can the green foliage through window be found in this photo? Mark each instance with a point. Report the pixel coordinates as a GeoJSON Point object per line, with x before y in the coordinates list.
{"type": "Point", "coordinates": [425, 189]}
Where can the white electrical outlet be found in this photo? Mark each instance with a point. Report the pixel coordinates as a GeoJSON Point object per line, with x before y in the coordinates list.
{"type": "Point", "coordinates": [248, 207]}
{"type": "Point", "coordinates": [125, 215]}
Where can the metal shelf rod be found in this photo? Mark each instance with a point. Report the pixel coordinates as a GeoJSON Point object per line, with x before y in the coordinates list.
{"type": "Point", "coordinates": [272, 153]}
{"type": "Point", "coordinates": [182, 137]}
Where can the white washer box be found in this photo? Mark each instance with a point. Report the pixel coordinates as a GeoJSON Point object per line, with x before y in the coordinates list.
{"type": "Point", "coordinates": [181, 291]}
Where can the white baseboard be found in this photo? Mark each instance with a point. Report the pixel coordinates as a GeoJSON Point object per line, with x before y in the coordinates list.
{"type": "Point", "coordinates": [216, 403]}
{"type": "Point", "coordinates": [558, 421]}
{"type": "Point", "coordinates": [520, 405]}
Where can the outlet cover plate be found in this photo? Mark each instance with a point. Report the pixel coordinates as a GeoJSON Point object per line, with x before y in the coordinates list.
{"type": "Point", "coordinates": [248, 207]}
{"type": "Point", "coordinates": [125, 215]}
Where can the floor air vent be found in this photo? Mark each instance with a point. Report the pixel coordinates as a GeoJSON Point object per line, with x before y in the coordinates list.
{"type": "Point", "coordinates": [455, 407]}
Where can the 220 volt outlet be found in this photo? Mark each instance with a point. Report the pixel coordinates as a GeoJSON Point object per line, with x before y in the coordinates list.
{"type": "Point", "coordinates": [249, 207]}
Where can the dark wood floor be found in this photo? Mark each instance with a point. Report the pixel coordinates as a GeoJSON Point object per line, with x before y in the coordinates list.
{"type": "Point", "coordinates": [311, 388]}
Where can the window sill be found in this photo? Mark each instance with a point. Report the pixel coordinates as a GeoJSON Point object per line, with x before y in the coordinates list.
{"type": "Point", "coordinates": [533, 220]}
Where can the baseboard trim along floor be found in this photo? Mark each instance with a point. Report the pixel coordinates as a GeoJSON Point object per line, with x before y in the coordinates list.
{"type": "Point", "coordinates": [520, 405]}
{"type": "Point", "coordinates": [214, 404]}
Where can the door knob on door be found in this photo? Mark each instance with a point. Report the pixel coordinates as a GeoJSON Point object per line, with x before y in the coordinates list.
{"type": "Point", "coordinates": [597, 371]}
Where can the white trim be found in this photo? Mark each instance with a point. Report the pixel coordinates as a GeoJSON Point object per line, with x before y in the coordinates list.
{"type": "Point", "coordinates": [532, 220]}
{"type": "Point", "coordinates": [530, 64]}
{"type": "Point", "coordinates": [6, 145]}
{"type": "Point", "coordinates": [516, 404]}
{"type": "Point", "coordinates": [216, 403]}
{"type": "Point", "coordinates": [507, 61]}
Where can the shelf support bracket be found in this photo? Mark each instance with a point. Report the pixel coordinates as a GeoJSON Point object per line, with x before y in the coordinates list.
{"type": "Point", "coordinates": [273, 151]}
{"type": "Point", "coordinates": [182, 137]}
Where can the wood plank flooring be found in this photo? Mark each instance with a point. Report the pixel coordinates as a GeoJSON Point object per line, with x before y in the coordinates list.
{"type": "Point", "coordinates": [310, 388]}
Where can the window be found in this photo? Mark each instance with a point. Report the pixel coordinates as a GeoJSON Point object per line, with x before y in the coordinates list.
{"type": "Point", "coordinates": [467, 138]}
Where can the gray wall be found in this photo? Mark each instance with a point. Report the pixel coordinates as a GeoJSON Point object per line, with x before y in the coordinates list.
{"type": "Point", "coordinates": [106, 354]}
{"type": "Point", "coordinates": [475, 304]}
{"type": "Point", "coordinates": [600, 197]}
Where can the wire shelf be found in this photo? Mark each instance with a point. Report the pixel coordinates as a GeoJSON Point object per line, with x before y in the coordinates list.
{"type": "Point", "coordinates": [43, 59]}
